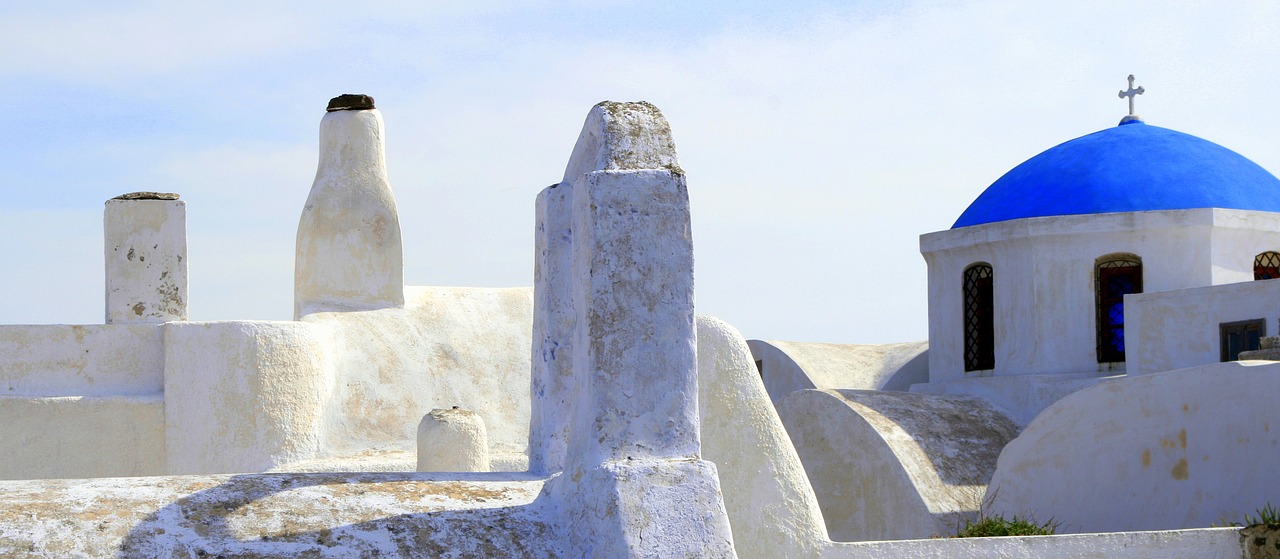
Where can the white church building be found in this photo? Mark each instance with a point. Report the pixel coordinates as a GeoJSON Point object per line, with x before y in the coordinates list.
{"type": "Point", "coordinates": [1088, 314]}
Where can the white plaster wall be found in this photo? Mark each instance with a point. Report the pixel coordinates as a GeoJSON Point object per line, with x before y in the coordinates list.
{"type": "Point", "coordinates": [1180, 449]}
{"type": "Point", "coordinates": [1179, 329]}
{"type": "Point", "coordinates": [1044, 282]}
{"type": "Point", "coordinates": [244, 396]}
{"type": "Point", "coordinates": [449, 346]}
{"type": "Point", "coordinates": [1238, 237]}
{"type": "Point", "coordinates": [894, 465]}
{"type": "Point", "coordinates": [791, 366]}
{"type": "Point", "coordinates": [91, 360]}
{"type": "Point", "coordinates": [81, 436]}
{"type": "Point", "coordinates": [771, 505]}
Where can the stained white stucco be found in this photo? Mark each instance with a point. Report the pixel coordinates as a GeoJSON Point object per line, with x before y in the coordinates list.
{"type": "Point", "coordinates": [1180, 449]}
{"type": "Point", "coordinates": [146, 266]}
{"type": "Point", "coordinates": [81, 360]}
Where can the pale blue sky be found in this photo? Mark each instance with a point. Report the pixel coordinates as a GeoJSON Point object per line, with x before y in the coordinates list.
{"type": "Point", "coordinates": [820, 139]}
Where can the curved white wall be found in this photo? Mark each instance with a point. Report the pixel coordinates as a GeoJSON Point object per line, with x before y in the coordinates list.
{"type": "Point", "coordinates": [1181, 449]}
{"type": "Point", "coordinates": [894, 465]}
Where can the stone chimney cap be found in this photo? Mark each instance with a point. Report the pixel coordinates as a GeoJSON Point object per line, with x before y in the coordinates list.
{"type": "Point", "coordinates": [147, 196]}
{"type": "Point", "coordinates": [350, 102]}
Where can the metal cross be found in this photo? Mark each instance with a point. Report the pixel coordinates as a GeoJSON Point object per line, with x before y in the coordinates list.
{"type": "Point", "coordinates": [1131, 93]}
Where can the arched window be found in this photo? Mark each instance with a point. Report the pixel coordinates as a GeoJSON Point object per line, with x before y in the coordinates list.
{"type": "Point", "coordinates": [1266, 266]}
{"type": "Point", "coordinates": [979, 320]}
{"type": "Point", "coordinates": [1116, 275]}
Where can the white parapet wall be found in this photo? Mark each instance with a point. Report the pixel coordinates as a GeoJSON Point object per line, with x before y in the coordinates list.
{"type": "Point", "coordinates": [1211, 543]}
{"type": "Point", "coordinates": [81, 360]}
{"type": "Point", "coordinates": [81, 401]}
{"type": "Point", "coordinates": [1179, 329]}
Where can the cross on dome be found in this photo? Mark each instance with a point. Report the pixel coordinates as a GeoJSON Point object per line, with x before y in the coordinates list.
{"type": "Point", "coordinates": [1131, 93]}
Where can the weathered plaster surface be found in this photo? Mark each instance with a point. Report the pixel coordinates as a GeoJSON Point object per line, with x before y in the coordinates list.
{"type": "Point", "coordinates": [449, 346]}
{"type": "Point", "coordinates": [244, 396]}
{"type": "Point", "coordinates": [771, 506]}
{"type": "Point", "coordinates": [634, 483]}
{"type": "Point", "coordinates": [1180, 449]}
{"type": "Point", "coordinates": [81, 436]}
{"type": "Point", "coordinates": [349, 252]}
{"type": "Point", "coordinates": [636, 345]}
{"type": "Point", "coordinates": [623, 136]}
{"type": "Point", "coordinates": [146, 267]}
{"type": "Point", "coordinates": [89, 360]}
{"type": "Point", "coordinates": [790, 366]}
{"type": "Point", "coordinates": [895, 465]}
{"type": "Point", "coordinates": [278, 515]}
{"type": "Point", "coordinates": [553, 385]}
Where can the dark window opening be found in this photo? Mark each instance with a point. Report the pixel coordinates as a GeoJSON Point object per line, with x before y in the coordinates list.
{"type": "Point", "coordinates": [1266, 266]}
{"type": "Point", "coordinates": [979, 319]}
{"type": "Point", "coordinates": [760, 367]}
{"type": "Point", "coordinates": [1241, 336]}
{"type": "Point", "coordinates": [1116, 278]}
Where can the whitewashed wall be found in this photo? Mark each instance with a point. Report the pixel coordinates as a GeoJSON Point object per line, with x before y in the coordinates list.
{"type": "Point", "coordinates": [1180, 449]}
{"type": "Point", "coordinates": [1179, 329]}
{"type": "Point", "coordinates": [81, 360]}
{"type": "Point", "coordinates": [81, 401]}
{"type": "Point", "coordinates": [449, 346]}
{"type": "Point", "coordinates": [244, 396]}
{"type": "Point", "coordinates": [1044, 278]}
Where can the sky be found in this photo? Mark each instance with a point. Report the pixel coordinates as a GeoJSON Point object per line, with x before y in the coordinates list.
{"type": "Point", "coordinates": [820, 139]}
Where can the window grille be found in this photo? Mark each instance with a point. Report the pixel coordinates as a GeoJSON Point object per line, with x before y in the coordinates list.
{"type": "Point", "coordinates": [1266, 266]}
{"type": "Point", "coordinates": [1115, 277]}
{"type": "Point", "coordinates": [979, 320]}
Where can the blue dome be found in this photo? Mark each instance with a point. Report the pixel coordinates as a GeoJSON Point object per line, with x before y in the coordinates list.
{"type": "Point", "coordinates": [1130, 168]}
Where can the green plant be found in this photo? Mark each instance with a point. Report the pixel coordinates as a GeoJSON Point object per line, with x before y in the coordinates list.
{"type": "Point", "coordinates": [1265, 515]}
{"type": "Point", "coordinates": [998, 525]}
